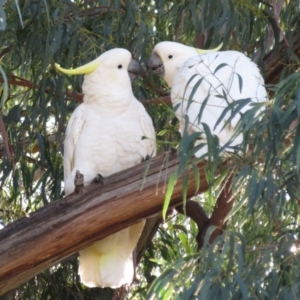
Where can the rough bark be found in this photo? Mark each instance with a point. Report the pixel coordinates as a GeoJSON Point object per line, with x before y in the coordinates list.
{"type": "Point", "coordinates": [147, 235]}
{"type": "Point", "coordinates": [52, 233]}
{"type": "Point", "coordinates": [218, 218]}
{"type": "Point", "coordinates": [277, 61]}
{"type": "Point", "coordinates": [194, 211]}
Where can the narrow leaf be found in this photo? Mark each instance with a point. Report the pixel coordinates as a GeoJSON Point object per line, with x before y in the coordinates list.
{"type": "Point", "coordinates": [220, 67]}
{"type": "Point", "coordinates": [171, 184]}
{"type": "Point", "coordinates": [19, 13]}
{"type": "Point", "coordinates": [197, 177]}
{"type": "Point", "coordinates": [240, 81]}
{"type": "Point", "coordinates": [5, 89]}
{"type": "Point", "coordinates": [2, 18]}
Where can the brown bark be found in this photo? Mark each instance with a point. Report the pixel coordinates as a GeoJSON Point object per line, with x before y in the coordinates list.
{"type": "Point", "coordinates": [32, 244]}
{"type": "Point", "coordinates": [278, 60]}
{"type": "Point", "coordinates": [147, 235]}
{"type": "Point", "coordinates": [55, 232]}
{"type": "Point", "coordinates": [6, 142]}
{"type": "Point", "coordinates": [218, 218]}
{"type": "Point", "coordinates": [194, 211]}
{"type": "Point", "coordinates": [4, 51]}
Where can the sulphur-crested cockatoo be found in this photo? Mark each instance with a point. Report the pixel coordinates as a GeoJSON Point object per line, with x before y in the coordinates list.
{"type": "Point", "coordinates": [104, 136]}
{"type": "Point", "coordinates": [203, 83]}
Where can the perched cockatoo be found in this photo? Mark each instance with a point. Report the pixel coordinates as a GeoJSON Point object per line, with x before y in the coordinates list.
{"type": "Point", "coordinates": [104, 136]}
{"type": "Point", "coordinates": [203, 83]}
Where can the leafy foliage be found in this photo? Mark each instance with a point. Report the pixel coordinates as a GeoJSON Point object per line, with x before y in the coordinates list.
{"type": "Point", "coordinates": [257, 257]}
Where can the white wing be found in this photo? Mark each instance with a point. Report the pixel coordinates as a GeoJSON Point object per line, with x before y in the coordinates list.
{"type": "Point", "coordinates": [73, 132]}
{"type": "Point", "coordinates": [109, 262]}
{"type": "Point", "coordinates": [148, 130]}
{"type": "Point", "coordinates": [212, 76]}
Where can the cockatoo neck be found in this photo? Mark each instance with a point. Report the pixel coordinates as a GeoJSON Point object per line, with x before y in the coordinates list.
{"type": "Point", "coordinates": [102, 89]}
{"type": "Point", "coordinates": [171, 70]}
{"type": "Point", "coordinates": [172, 66]}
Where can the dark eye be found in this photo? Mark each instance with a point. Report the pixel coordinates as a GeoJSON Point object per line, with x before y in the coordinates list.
{"type": "Point", "coordinates": [120, 66]}
{"type": "Point", "coordinates": [170, 56]}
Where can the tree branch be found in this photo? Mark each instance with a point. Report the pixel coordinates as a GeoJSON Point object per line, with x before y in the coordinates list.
{"type": "Point", "coordinates": [194, 211]}
{"type": "Point", "coordinates": [78, 97]}
{"type": "Point", "coordinates": [277, 7]}
{"type": "Point", "coordinates": [218, 218]}
{"type": "Point", "coordinates": [4, 51]}
{"type": "Point", "coordinates": [7, 145]}
{"type": "Point", "coordinates": [150, 229]}
{"type": "Point", "coordinates": [277, 60]}
{"type": "Point", "coordinates": [62, 228]}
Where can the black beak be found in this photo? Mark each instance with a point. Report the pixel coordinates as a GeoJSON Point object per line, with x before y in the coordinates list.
{"type": "Point", "coordinates": [133, 70]}
{"type": "Point", "coordinates": [155, 64]}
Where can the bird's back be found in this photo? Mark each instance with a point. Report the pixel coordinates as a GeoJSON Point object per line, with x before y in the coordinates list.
{"type": "Point", "coordinates": [206, 84]}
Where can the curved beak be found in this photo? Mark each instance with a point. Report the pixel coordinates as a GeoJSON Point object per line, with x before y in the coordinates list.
{"type": "Point", "coordinates": [155, 64]}
{"type": "Point", "coordinates": [133, 70]}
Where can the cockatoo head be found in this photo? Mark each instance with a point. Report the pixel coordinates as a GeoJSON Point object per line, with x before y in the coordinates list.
{"type": "Point", "coordinates": [112, 66]}
{"type": "Point", "coordinates": [168, 57]}
{"type": "Point", "coordinates": [116, 60]}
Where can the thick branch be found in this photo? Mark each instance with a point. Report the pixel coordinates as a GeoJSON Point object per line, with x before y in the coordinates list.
{"type": "Point", "coordinates": [55, 232]}
{"type": "Point", "coordinates": [277, 60]}
{"type": "Point", "coordinates": [218, 218]}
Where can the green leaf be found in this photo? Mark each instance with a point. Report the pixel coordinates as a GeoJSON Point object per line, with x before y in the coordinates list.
{"type": "Point", "coordinates": [2, 19]}
{"type": "Point", "coordinates": [240, 82]}
{"type": "Point", "coordinates": [146, 172]}
{"type": "Point", "coordinates": [220, 67]}
{"type": "Point", "coordinates": [19, 13]}
{"type": "Point", "coordinates": [185, 179]}
{"type": "Point", "coordinates": [4, 96]}
{"type": "Point", "coordinates": [197, 177]}
{"type": "Point", "coordinates": [170, 188]}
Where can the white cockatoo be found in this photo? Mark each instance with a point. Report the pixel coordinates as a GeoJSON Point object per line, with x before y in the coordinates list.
{"type": "Point", "coordinates": [104, 136]}
{"type": "Point", "coordinates": [203, 83]}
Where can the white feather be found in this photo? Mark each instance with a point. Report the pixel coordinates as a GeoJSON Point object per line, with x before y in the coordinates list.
{"type": "Point", "coordinates": [228, 72]}
{"type": "Point", "coordinates": [104, 136]}
{"type": "Point", "coordinates": [109, 262]}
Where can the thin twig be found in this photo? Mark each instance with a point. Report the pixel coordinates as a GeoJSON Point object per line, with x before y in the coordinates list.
{"type": "Point", "coordinates": [78, 97]}
{"type": "Point", "coordinates": [218, 218]}
{"type": "Point", "coordinates": [6, 140]}
{"type": "Point", "coordinates": [4, 51]}
{"type": "Point", "coordinates": [195, 212]}
{"type": "Point", "coordinates": [276, 19]}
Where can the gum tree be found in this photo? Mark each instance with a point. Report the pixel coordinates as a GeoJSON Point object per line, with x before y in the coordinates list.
{"type": "Point", "coordinates": [239, 238]}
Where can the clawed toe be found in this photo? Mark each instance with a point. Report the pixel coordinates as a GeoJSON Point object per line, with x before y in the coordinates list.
{"type": "Point", "coordinates": [99, 179]}
{"type": "Point", "coordinates": [147, 157]}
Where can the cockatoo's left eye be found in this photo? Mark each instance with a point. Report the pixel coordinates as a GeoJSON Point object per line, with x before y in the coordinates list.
{"type": "Point", "coordinates": [170, 56]}
{"type": "Point", "coordinates": [120, 66]}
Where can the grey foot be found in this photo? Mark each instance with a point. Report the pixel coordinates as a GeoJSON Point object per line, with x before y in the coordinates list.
{"type": "Point", "coordinates": [99, 179]}
{"type": "Point", "coordinates": [78, 182]}
{"type": "Point", "coordinates": [146, 158]}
